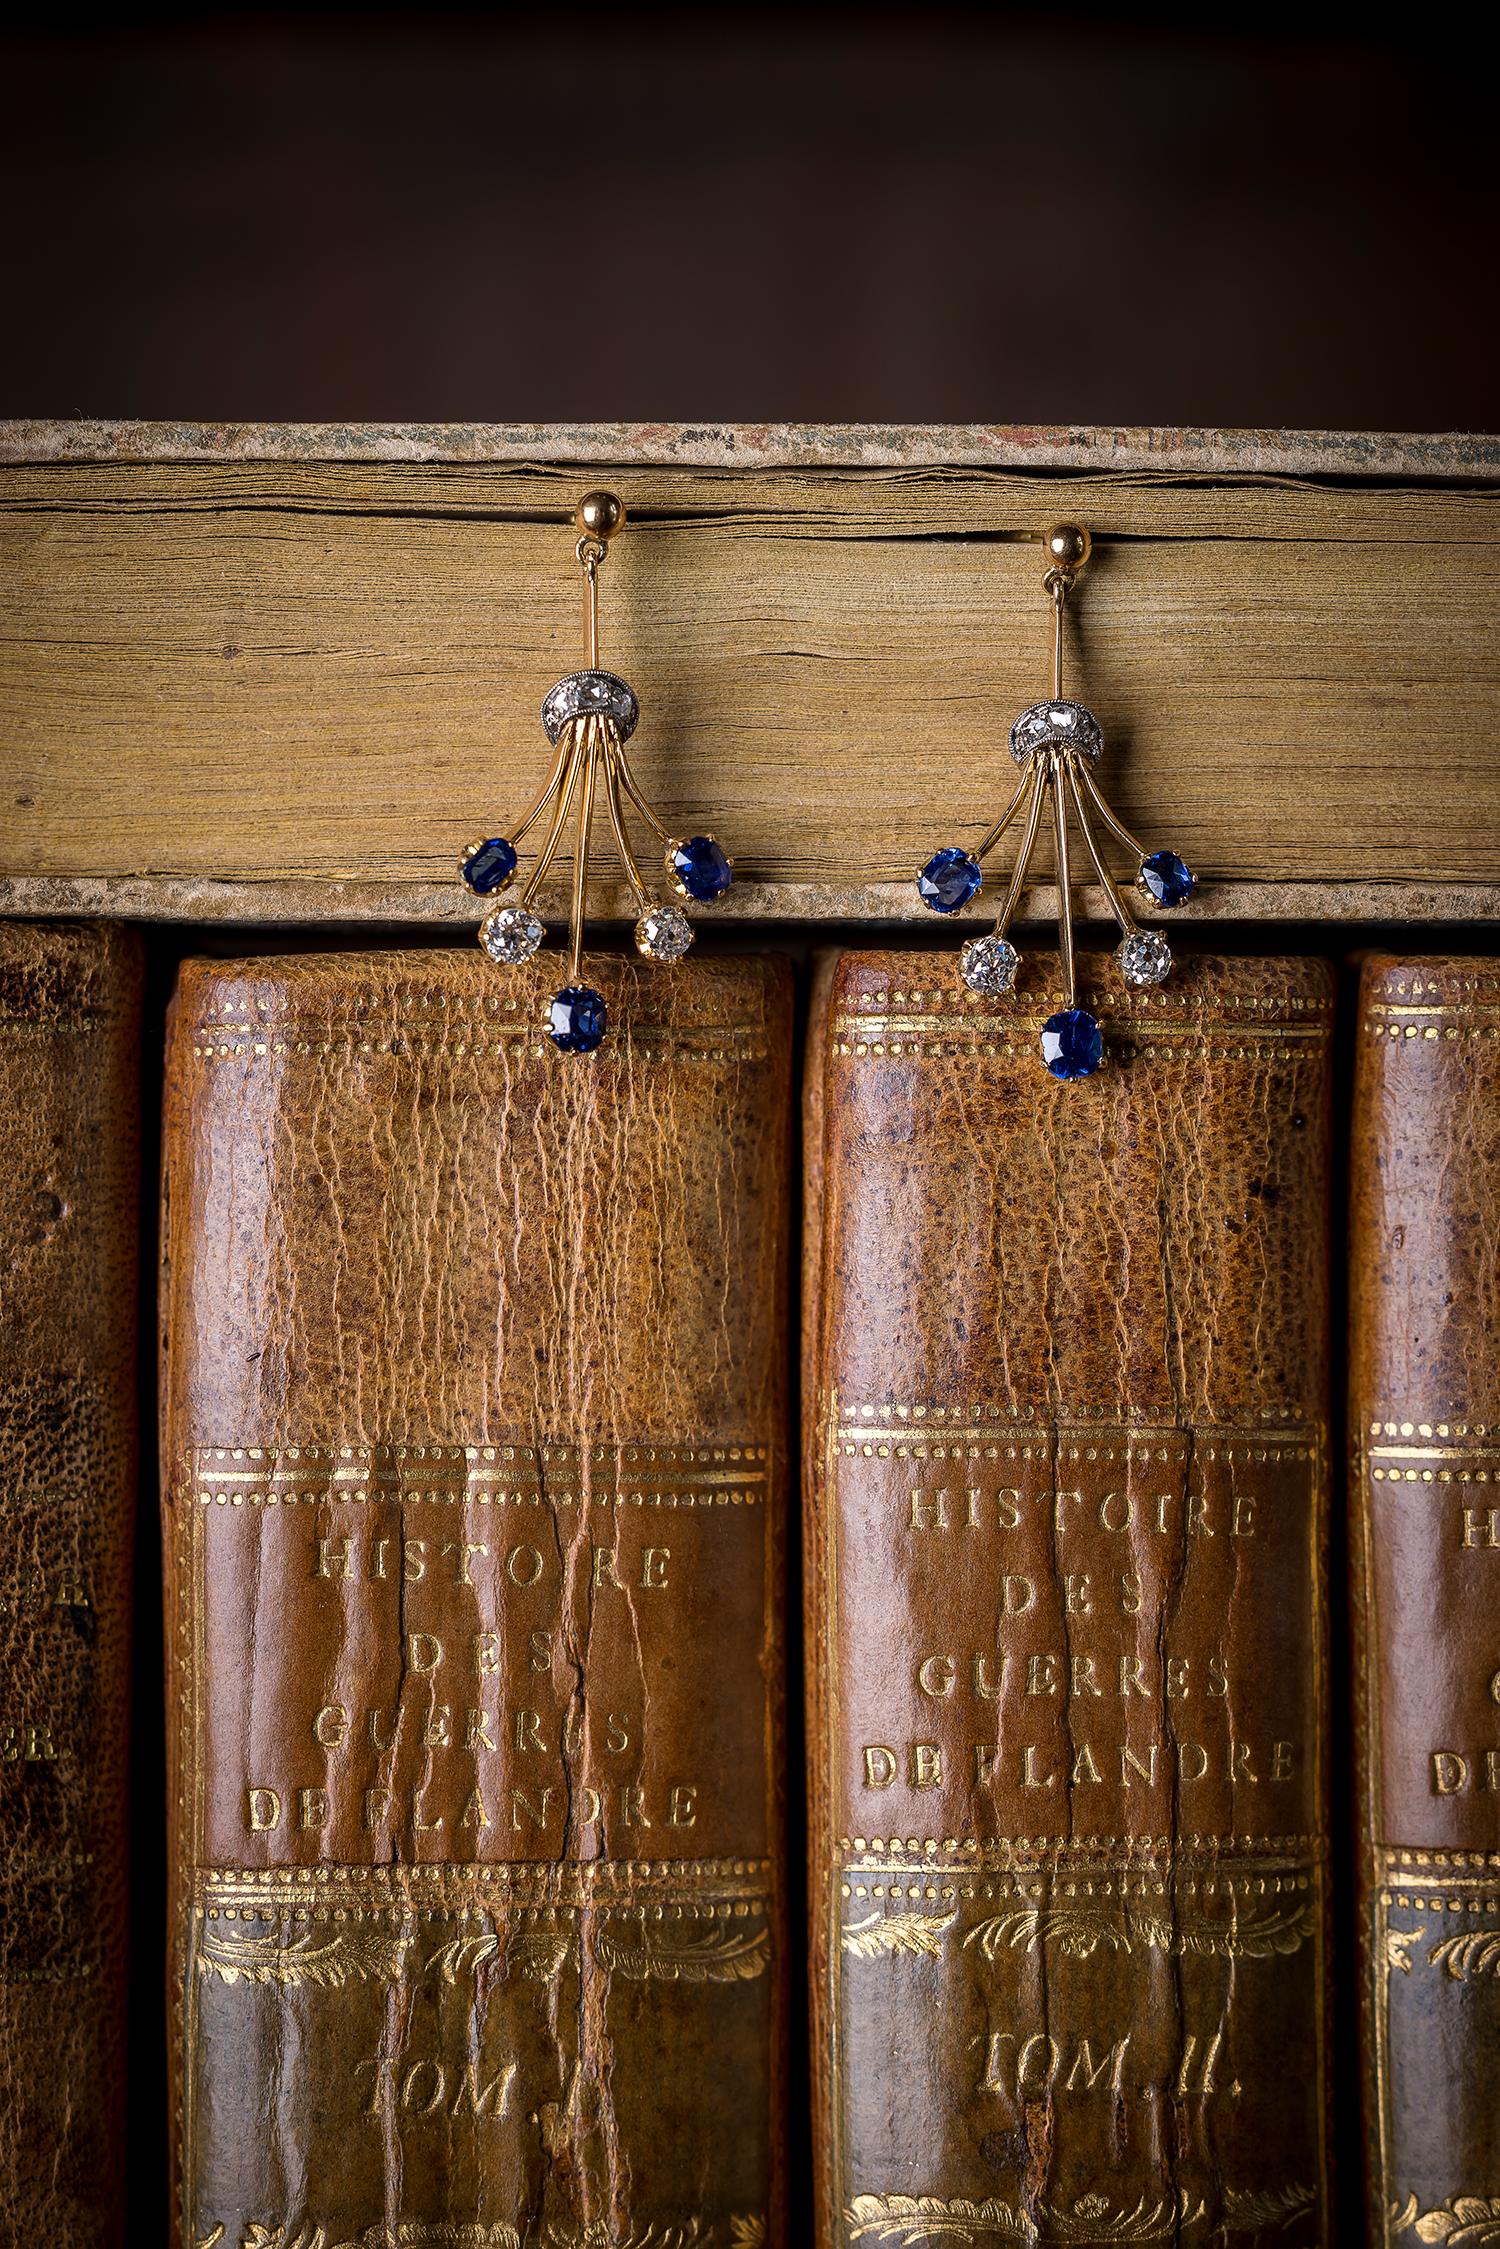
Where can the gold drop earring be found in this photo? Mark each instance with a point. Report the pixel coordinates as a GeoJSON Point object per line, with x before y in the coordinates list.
{"type": "Point", "coordinates": [1057, 744]}
{"type": "Point", "coordinates": [589, 717]}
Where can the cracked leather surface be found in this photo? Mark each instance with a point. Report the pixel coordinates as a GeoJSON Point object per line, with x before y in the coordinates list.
{"type": "Point", "coordinates": [474, 1462]}
{"type": "Point", "coordinates": [70, 1002]}
{"type": "Point", "coordinates": [1424, 1419]}
{"type": "Point", "coordinates": [1066, 1473]}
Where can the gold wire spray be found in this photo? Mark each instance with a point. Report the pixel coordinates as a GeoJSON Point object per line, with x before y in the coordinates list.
{"type": "Point", "coordinates": [1056, 743]}
{"type": "Point", "coordinates": [589, 717]}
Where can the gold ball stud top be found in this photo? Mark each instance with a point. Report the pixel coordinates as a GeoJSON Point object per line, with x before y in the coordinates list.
{"type": "Point", "coordinates": [599, 515]}
{"type": "Point", "coordinates": [1068, 546]}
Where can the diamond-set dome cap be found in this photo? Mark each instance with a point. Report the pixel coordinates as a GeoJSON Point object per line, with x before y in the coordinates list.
{"type": "Point", "coordinates": [1056, 726]}
{"type": "Point", "coordinates": [591, 694]}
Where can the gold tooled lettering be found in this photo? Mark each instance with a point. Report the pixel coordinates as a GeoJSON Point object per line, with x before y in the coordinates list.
{"type": "Point", "coordinates": [486, 1650]}
{"type": "Point", "coordinates": [312, 1807]}
{"type": "Point", "coordinates": [528, 1729]}
{"type": "Point", "coordinates": [926, 1765]}
{"type": "Point", "coordinates": [477, 1731]}
{"type": "Point", "coordinates": [329, 1549]}
{"type": "Point", "coordinates": [524, 1565]}
{"type": "Point", "coordinates": [1109, 2070]}
{"type": "Point", "coordinates": [1076, 1598]}
{"type": "Point", "coordinates": [263, 1810]}
{"type": "Point", "coordinates": [463, 1549]}
{"type": "Point", "coordinates": [421, 1826]}
{"type": "Point", "coordinates": [377, 1806]}
{"type": "Point", "coordinates": [331, 1725]}
{"type": "Point", "coordinates": [414, 1560]}
{"type": "Point", "coordinates": [541, 1651]}
{"type": "Point", "coordinates": [474, 1813]}
{"type": "Point", "coordinates": [438, 1731]}
{"type": "Point", "coordinates": [936, 1503]}
{"type": "Point", "coordinates": [535, 1808]}
{"type": "Point", "coordinates": [682, 1805]}
{"type": "Point", "coordinates": [654, 1568]}
{"type": "Point", "coordinates": [1084, 1767]}
{"type": "Point", "coordinates": [935, 1676]}
{"type": "Point", "coordinates": [424, 1652]}
{"type": "Point", "coordinates": [477, 2098]}
{"type": "Point", "coordinates": [1481, 1529]}
{"type": "Point", "coordinates": [880, 1765]}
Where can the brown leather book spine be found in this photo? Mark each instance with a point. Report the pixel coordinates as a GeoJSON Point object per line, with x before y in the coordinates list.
{"type": "Point", "coordinates": [1066, 1494]}
{"type": "Point", "coordinates": [70, 1009]}
{"type": "Point", "coordinates": [1424, 1420]}
{"type": "Point", "coordinates": [475, 1475]}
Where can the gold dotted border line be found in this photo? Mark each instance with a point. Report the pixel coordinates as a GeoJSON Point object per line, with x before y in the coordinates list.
{"type": "Point", "coordinates": [1155, 1049]}
{"type": "Point", "coordinates": [462, 1495]}
{"type": "Point", "coordinates": [1138, 1457]}
{"type": "Point", "coordinates": [944, 999]}
{"type": "Point", "coordinates": [1469, 1865]}
{"type": "Point", "coordinates": [498, 1871]}
{"type": "Point", "coordinates": [1376, 1028]}
{"type": "Point", "coordinates": [1021, 1884]}
{"type": "Point", "coordinates": [280, 1912]}
{"type": "Point", "coordinates": [681, 1046]}
{"type": "Point", "coordinates": [1006, 1848]}
{"type": "Point", "coordinates": [560, 1453]}
{"type": "Point", "coordinates": [1282, 1418]}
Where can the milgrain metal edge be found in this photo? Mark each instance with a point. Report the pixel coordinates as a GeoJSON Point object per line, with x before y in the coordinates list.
{"type": "Point", "coordinates": [780, 445]}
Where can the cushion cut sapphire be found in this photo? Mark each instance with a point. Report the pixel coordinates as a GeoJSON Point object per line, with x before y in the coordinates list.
{"type": "Point", "coordinates": [577, 1019]}
{"type": "Point", "coordinates": [1167, 879]}
{"type": "Point", "coordinates": [949, 879]}
{"type": "Point", "coordinates": [701, 867]}
{"type": "Point", "coordinates": [490, 865]}
{"type": "Point", "coordinates": [1072, 1043]}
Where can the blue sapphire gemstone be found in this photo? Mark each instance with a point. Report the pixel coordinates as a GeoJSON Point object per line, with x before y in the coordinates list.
{"type": "Point", "coordinates": [577, 1019]}
{"type": "Point", "coordinates": [701, 868]}
{"type": "Point", "coordinates": [1167, 879]}
{"type": "Point", "coordinates": [949, 879]}
{"type": "Point", "coordinates": [1072, 1043]}
{"type": "Point", "coordinates": [489, 866]}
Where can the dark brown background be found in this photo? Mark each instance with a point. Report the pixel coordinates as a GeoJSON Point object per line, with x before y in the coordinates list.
{"type": "Point", "coordinates": [1063, 214]}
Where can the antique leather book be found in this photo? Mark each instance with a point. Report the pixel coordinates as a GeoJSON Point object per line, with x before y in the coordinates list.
{"type": "Point", "coordinates": [1066, 1608]}
{"type": "Point", "coordinates": [474, 1468]}
{"type": "Point", "coordinates": [1424, 1416]}
{"type": "Point", "coordinates": [70, 1020]}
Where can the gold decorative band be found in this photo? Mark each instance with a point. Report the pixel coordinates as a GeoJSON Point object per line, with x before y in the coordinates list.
{"type": "Point", "coordinates": [479, 1885]}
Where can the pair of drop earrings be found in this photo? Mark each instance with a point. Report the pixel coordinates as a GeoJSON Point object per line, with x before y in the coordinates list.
{"type": "Point", "coordinates": [591, 715]}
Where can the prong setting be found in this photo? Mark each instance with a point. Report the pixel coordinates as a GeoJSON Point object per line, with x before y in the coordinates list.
{"type": "Point", "coordinates": [1057, 743]}
{"type": "Point", "coordinates": [589, 716]}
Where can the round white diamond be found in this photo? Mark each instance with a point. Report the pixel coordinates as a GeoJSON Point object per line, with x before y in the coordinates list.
{"type": "Point", "coordinates": [1145, 957]}
{"type": "Point", "coordinates": [663, 933]}
{"type": "Point", "coordinates": [989, 964]}
{"type": "Point", "coordinates": [511, 934]}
